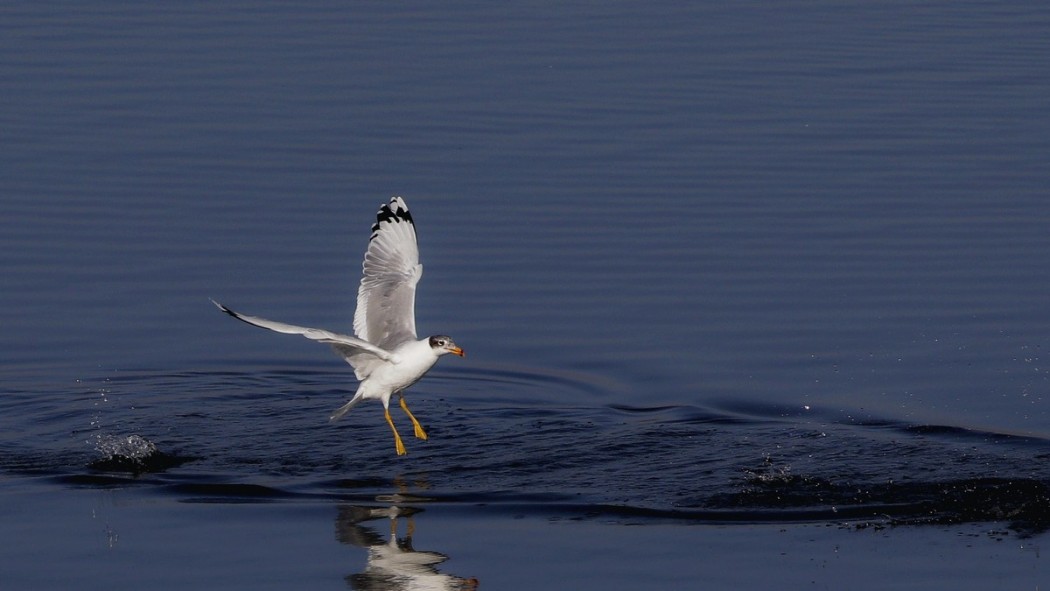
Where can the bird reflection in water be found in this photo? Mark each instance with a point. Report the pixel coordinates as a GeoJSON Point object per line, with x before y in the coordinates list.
{"type": "Point", "coordinates": [393, 565]}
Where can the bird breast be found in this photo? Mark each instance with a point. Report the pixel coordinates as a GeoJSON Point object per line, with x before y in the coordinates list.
{"type": "Point", "coordinates": [409, 362]}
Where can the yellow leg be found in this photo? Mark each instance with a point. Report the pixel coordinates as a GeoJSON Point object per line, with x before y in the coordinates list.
{"type": "Point", "coordinates": [397, 438]}
{"type": "Point", "coordinates": [420, 433]}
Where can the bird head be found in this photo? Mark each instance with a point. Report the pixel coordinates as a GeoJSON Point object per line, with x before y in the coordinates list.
{"type": "Point", "coordinates": [442, 344]}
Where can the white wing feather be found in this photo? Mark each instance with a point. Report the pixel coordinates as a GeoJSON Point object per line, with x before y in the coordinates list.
{"type": "Point", "coordinates": [386, 299]}
{"type": "Point", "coordinates": [347, 345]}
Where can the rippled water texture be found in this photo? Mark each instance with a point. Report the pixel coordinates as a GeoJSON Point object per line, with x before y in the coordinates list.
{"type": "Point", "coordinates": [758, 276]}
{"type": "Point", "coordinates": [721, 463]}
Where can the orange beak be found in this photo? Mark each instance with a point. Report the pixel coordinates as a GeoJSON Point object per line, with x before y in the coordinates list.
{"type": "Point", "coordinates": [457, 351]}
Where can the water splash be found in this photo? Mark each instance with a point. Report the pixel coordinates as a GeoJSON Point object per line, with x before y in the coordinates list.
{"type": "Point", "coordinates": [131, 453]}
{"type": "Point", "coordinates": [128, 447]}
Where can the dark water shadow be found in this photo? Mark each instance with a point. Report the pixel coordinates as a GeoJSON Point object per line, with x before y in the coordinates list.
{"type": "Point", "coordinates": [545, 444]}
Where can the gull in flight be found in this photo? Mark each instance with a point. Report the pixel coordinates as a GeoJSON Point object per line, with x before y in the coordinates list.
{"type": "Point", "coordinates": [386, 355]}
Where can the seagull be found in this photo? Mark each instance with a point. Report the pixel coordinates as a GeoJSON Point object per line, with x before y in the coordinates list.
{"type": "Point", "coordinates": [386, 355]}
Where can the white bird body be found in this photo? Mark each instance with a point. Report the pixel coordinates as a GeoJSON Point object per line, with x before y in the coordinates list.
{"type": "Point", "coordinates": [386, 355]}
{"type": "Point", "coordinates": [408, 363]}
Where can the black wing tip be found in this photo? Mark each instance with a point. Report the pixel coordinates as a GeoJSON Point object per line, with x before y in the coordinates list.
{"type": "Point", "coordinates": [232, 313]}
{"type": "Point", "coordinates": [225, 309]}
{"type": "Point", "coordinates": [394, 212]}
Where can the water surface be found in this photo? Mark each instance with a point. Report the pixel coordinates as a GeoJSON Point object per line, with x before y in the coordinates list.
{"type": "Point", "coordinates": [760, 278]}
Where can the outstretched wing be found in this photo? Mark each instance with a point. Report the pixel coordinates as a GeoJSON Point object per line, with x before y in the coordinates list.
{"type": "Point", "coordinates": [351, 347]}
{"type": "Point", "coordinates": [386, 300]}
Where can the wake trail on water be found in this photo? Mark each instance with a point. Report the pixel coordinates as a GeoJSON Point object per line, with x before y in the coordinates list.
{"type": "Point", "coordinates": [557, 450]}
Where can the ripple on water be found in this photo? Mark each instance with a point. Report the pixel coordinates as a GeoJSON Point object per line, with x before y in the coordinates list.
{"type": "Point", "coordinates": [555, 442]}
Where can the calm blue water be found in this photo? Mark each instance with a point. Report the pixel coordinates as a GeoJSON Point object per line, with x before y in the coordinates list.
{"type": "Point", "coordinates": [725, 271]}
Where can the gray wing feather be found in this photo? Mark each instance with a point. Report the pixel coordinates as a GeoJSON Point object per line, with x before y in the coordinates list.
{"type": "Point", "coordinates": [386, 299]}
{"type": "Point", "coordinates": [350, 347]}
